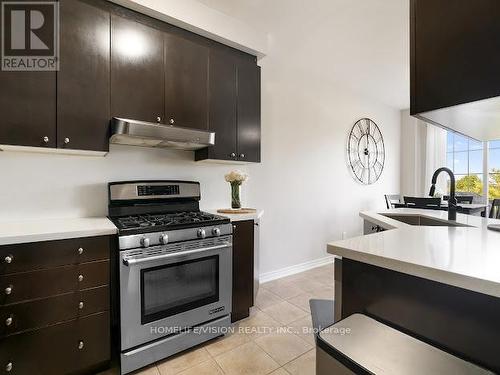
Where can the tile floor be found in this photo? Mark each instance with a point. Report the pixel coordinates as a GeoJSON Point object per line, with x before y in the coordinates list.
{"type": "Point", "coordinates": [275, 339]}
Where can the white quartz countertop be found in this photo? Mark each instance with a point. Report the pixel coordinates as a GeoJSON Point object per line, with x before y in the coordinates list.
{"type": "Point", "coordinates": [466, 257]}
{"type": "Point", "coordinates": [239, 217]}
{"type": "Point", "coordinates": [54, 229]}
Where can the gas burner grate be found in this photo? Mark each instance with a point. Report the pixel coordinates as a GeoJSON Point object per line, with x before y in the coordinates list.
{"type": "Point", "coordinates": [166, 220]}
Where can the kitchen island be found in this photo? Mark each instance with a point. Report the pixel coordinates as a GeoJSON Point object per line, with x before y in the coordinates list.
{"type": "Point", "coordinates": [426, 276]}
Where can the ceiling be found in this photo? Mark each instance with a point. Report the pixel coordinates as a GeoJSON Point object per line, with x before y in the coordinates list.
{"type": "Point", "coordinates": [362, 45]}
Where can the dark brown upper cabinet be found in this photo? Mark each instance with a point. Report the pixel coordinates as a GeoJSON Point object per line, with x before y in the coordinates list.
{"type": "Point", "coordinates": [186, 82]}
{"type": "Point", "coordinates": [83, 111]}
{"type": "Point", "coordinates": [248, 111]}
{"type": "Point", "coordinates": [28, 108]}
{"type": "Point", "coordinates": [137, 70]}
{"type": "Point", "coordinates": [454, 60]}
{"type": "Point", "coordinates": [222, 108]}
{"type": "Point", "coordinates": [234, 107]}
{"type": "Point", "coordinates": [115, 62]}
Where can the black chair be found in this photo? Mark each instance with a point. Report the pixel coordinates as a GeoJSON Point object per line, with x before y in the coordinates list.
{"type": "Point", "coordinates": [461, 198]}
{"type": "Point", "coordinates": [419, 202]}
{"type": "Point", "coordinates": [495, 209]}
{"type": "Point", "coordinates": [391, 200]}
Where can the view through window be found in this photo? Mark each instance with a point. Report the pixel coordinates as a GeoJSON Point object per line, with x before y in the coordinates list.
{"type": "Point", "coordinates": [494, 170]}
{"type": "Point", "coordinates": [465, 158]}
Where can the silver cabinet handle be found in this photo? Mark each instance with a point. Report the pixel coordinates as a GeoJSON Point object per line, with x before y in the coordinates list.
{"type": "Point", "coordinates": [9, 259]}
{"type": "Point", "coordinates": [80, 278]}
{"type": "Point", "coordinates": [8, 321]}
{"type": "Point", "coordinates": [233, 155]}
{"type": "Point", "coordinates": [80, 345]}
{"type": "Point", "coordinates": [80, 250]}
{"type": "Point", "coordinates": [158, 119]}
{"type": "Point", "coordinates": [8, 367]}
{"type": "Point", "coordinates": [171, 121]}
{"type": "Point", "coordinates": [242, 156]}
{"type": "Point", "coordinates": [8, 290]}
{"type": "Point", "coordinates": [133, 261]}
{"type": "Point", "coordinates": [80, 305]}
{"type": "Point", "coordinates": [46, 139]}
{"type": "Point", "coordinates": [66, 140]}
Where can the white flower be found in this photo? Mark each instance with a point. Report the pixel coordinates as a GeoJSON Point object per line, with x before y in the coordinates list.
{"type": "Point", "coordinates": [236, 176]}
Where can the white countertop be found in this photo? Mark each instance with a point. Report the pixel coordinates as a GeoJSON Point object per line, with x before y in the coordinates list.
{"type": "Point", "coordinates": [466, 257]}
{"type": "Point", "coordinates": [239, 217]}
{"type": "Point", "coordinates": [54, 229]}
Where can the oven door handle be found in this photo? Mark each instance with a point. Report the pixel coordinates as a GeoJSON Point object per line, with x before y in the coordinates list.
{"type": "Point", "coordinates": [134, 261]}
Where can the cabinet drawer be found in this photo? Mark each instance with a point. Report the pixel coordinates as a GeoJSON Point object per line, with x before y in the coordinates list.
{"type": "Point", "coordinates": [20, 317]}
{"type": "Point", "coordinates": [65, 348]}
{"type": "Point", "coordinates": [46, 283]}
{"type": "Point", "coordinates": [41, 255]}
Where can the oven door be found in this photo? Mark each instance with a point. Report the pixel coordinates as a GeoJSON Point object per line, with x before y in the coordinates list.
{"type": "Point", "coordinates": [166, 289]}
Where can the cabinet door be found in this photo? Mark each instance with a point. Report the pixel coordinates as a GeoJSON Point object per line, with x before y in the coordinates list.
{"type": "Point", "coordinates": [28, 108]}
{"type": "Point", "coordinates": [73, 347]}
{"type": "Point", "coordinates": [222, 107]}
{"type": "Point", "coordinates": [137, 74]}
{"type": "Point", "coordinates": [186, 83]}
{"type": "Point", "coordinates": [248, 112]}
{"type": "Point", "coordinates": [83, 80]}
{"type": "Point", "coordinates": [454, 53]}
{"type": "Point", "coordinates": [243, 268]}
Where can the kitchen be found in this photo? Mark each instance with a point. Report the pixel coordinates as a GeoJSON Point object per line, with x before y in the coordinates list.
{"type": "Point", "coordinates": [227, 73]}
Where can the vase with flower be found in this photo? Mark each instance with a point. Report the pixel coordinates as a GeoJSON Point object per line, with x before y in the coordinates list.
{"type": "Point", "coordinates": [236, 178]}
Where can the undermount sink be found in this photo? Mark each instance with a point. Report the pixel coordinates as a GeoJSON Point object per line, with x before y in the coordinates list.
{"type": "Point", "coordinates": [419, 220]}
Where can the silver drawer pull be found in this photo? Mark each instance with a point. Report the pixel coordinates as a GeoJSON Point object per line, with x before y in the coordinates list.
{"type": "Point", "coordinates": [80, 345]}
{"type": "Point", "coordinates": [80, 278]}
{"type": "Point", "coordinates": [8, 290]}
{"type": "Point", "coordinates": [9, 259]}
{"type": "Point", "coordinates": [80, 250]}
{"type": "Point", "coordinates": [80, 305]}
{"type": "Point", "coordinates": [8, 321]}
{"type": "Point", "coordinates": [8, 367]}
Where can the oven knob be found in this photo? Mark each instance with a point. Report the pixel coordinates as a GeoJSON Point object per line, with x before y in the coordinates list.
{"type": "Point", "coordinates": [145, 242]}
{"type": "Point", "coordinates": [201, 233]}
{"type": "Point", "coordinates": [216, 232]}
{"type": "Point", "coordinates": [164, 239]}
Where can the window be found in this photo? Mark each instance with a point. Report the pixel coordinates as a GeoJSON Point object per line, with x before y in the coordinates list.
{"type": "Point", "coordinates": [494, 170]}
{"type": "Point", "coordinates": [464, 157]}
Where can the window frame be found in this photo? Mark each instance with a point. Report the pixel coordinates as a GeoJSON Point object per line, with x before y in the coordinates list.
{"type": "Point", "coordinates": [483, 175]}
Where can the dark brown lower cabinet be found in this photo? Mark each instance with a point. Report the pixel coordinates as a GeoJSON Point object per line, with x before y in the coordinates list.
{"type": "Point", "coordinates": [55, 307]}
{"type": "Point", "coordinates": [72, 347]}
{"type": "Point", "coordinates": [47, 311]}
{"type": "Point", "coordinates": [243, 269]}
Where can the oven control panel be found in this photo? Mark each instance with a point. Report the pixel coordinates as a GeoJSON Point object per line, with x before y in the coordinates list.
{"type": "Point", "coordinates": [157, 190]}
{"type": "Point", "coordinates": [168, 237]}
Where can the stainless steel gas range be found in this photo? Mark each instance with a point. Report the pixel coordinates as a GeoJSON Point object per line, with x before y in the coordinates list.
{"type": "Point", "coordinates": [175, 269]}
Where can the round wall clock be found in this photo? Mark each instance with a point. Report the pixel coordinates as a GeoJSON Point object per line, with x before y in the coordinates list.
{"type": "Point", "coordinates": [366, 151]}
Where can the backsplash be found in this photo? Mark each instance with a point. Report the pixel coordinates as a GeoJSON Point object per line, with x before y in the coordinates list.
{"type": "Point", "coordinates": [49, 185]}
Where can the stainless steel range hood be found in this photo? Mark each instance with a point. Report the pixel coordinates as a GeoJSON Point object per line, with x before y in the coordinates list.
{"type": "Point", "coordinates": [147, 134]}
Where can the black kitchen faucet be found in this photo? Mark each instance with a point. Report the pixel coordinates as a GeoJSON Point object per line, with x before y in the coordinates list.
{"type": "Point", "coordinates": [452, 201]}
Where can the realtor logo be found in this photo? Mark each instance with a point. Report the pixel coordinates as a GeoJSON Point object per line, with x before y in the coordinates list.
{"type": "Point", "coordinates": [30, 35]}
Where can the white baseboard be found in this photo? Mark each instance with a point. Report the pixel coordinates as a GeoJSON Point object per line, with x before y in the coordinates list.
{"type": "Point", "coordinates": [287, 271]}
